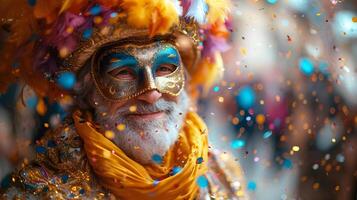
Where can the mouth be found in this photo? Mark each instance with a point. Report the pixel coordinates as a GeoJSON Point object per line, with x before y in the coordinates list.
{"type": "Point", "coordinates": [147, 116]}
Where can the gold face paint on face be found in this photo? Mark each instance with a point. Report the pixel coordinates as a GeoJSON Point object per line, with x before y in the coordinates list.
{"type": "Point", "coordinates": [126, 71]}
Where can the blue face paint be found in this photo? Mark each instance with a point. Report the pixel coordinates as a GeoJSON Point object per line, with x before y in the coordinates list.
{"type": "Point", "coordinates": [168, 55]}
{"type": "Point", "coordinates": [116, 60]}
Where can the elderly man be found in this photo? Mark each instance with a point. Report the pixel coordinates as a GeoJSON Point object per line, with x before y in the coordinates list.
{"type": "Point", "coordinates": [133, 133]}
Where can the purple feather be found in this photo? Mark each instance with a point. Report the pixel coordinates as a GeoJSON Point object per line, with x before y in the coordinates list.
{"type": "Point", "coordinates": [213, 44]}
{"type": "Point", "coordinates": [59, 31]}
{"type": "Point", "coordinates": [186, 5]}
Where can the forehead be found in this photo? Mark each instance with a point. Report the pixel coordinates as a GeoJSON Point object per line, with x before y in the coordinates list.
{"type": "Point", "coordinates": [143, 51]}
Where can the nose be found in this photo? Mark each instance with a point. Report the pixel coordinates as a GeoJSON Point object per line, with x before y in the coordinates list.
{"type": "Point", "coordinates": [150, 96]}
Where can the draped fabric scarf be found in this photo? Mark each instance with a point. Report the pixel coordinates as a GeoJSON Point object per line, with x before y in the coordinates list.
{"type": "Point", "coordinates": [127, 179]}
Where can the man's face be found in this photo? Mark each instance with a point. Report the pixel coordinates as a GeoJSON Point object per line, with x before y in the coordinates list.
{"type": "Point", "coordinates": [148, 123]}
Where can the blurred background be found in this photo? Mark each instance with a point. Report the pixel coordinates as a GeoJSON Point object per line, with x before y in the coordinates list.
{"type": "Point", "coordinates": [286, 106]}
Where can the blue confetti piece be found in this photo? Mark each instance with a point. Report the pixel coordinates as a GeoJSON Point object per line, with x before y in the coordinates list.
{"type": "Point", "coordinates": [252, 186]}
{"type": "Point", "coordinates": [277, 122]}
{"type": "Point", "coordinates": [267, 134]}
{"type": "Point", "coordinates": [6, 181]}
{"type": "Point", "coordinates": [288, 164]}
{"type": "Point", "coordinates": [82, 191]}
{"type": "Point", "coordinates": [157, 159]}
{"type": "Point", "coordinates": [31, 2]}
{"type": "Point", "coordinates": [323, 68]}
{"type": "Point", "coordinates": [176, 170]}
{"type": "Point", "coordinates": [95, 10]}
{"type": "Point", "coordinates": [66, 80]}
{"type": "Point", "coordinates": [216, 89]}
{"type": "Point", "coordinates": [202, 181]}
{"type": "Point", "coordinates": [15, 65]}
{"type": "Point", "coordinates": [87, 33]}
{"type": "Point", "coordinates": [306, 66]}
{"type": "Point", "coordinates": [51, 143]}
{"type": "Point", "coordinates": [272, 1]}
{"type": "Point", "coordinates": [64, 178]}
{"type": "Point", "coordinates": [32, 102]}
{"type": "Point", "coordinates": [237, 144]}
{"type": "Point", "coordinates": [113, 14]}
{"type": "Point", "coordinates": [340, 158]}
{"type": "Point", "coordinates": [40, 149]}
{"type": "Point", "coordinates": [199, 160]}
{"type": "Point", "coordinates": [246, 97]}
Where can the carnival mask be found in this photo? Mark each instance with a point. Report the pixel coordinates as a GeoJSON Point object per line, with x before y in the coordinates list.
{"type": "Point", "coordinates": [124, 71]}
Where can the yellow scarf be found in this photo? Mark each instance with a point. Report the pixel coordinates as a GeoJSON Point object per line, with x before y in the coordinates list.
{"type": "Point", "coordinates": [127, 179]}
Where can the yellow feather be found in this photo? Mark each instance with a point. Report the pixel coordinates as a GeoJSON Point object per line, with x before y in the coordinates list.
{"type": "Point", "coordinates": [156, 15]}
{"type": "Point", "coordinates": [47, 9]}
{"type": "Point", "coordinates": [66, 4]}
{"type": "Point", "coordinates": [208, 71]}
{"type": "Point", "coordinates": [218, 10]}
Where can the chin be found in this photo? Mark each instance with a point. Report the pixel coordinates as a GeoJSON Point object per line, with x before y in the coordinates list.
{"type": "Point", "coordinates": [143, 139]}
{"type": "Point", "coordinates": [148, 133]}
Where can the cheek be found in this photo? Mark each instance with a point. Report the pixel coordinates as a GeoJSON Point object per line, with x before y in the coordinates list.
{"type": "Point", "coordinates": [110, 107]}
{"type": "Point", "coordinates": [114, 106]}
{"type": "Point", "coordinates": [168, 97]}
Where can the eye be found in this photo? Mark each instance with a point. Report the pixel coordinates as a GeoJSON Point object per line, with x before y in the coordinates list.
{"type": "Point", "coordinates": [123, 73]}
{"type": "Point", "coordinates": [165, 69]}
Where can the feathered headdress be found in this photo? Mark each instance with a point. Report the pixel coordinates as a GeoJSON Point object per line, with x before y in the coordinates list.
{"type": "Point", "coordinates": [40, 38]}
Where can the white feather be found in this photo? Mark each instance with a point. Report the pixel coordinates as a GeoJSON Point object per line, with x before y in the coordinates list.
{"type": "Point", "coordinates": [198, 11]}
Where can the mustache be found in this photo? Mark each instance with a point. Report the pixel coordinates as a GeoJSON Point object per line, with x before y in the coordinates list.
{"type": "Point", "coordinates": [141, 107]}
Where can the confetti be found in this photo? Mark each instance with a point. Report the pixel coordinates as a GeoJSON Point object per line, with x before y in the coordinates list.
{"type": "Point", "coordinates": [66, 80]}
{"type": "Point", "coordinates": [237, 144]}
{"type": "Point", "coordinates": [202, 181]}
{"type": "Point", "coordinates": [246, 97]}
{"type": "Point", "coordinates": [109, 134]}
{"type": "Point", "coordinates": [340, 158]}
{"type": "Point", "coordinates": [176, 170]}
{"type": "Point", "coordinates": [157, 159]}
{"type": "Point", "coordinates": [315, 166]}
{"type": "Point", "coordinates": [87, 33]}
{"type": "Point", "coordinates": [267, 134]}
{"type": "Point", "coordinates": [243, 51]}
{"type": "Point", "coordinates": [296, 148]}
{"type": "Point", "coordinates": [260, 119]}
{"type": "Point", "coordinates": [156, 182]}
{"type": "Point", "coordinates": [40, 149]}
{"type": "Point", "coordinates": [113, 14]}
{"type": "Point", "coordinates": [306, 66]}
{"type": "Point", "coordinates": [32, 102]}
{"type": "Point", "coordinates": [288, 164]}
{"type": "Point", "coordinates": [121, 127]}
{"type": "Point", "coordinates": [95, 10]}
{"type": "Point", "coordinates": [64, 178]}
{"type": "Point", "coordinates": [32, 2]}
{"type": "Point", "coordinates": [199, 160]}
{"type": "Point", "coordinates": [316, 186]}
{"type": "Point", "coordinates": [272, 1]}
{"type": "Point", "coordinates": [132, 108]}
{"type": "Point", "coordinates": [252, 186]}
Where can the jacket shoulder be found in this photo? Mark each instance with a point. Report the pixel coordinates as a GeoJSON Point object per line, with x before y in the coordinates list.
{"type": "Point", "coordinates": [59, 171]}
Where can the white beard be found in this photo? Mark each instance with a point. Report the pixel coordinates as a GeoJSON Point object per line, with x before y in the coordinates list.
{"type": "Point", "coordinates": [142, 139]}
